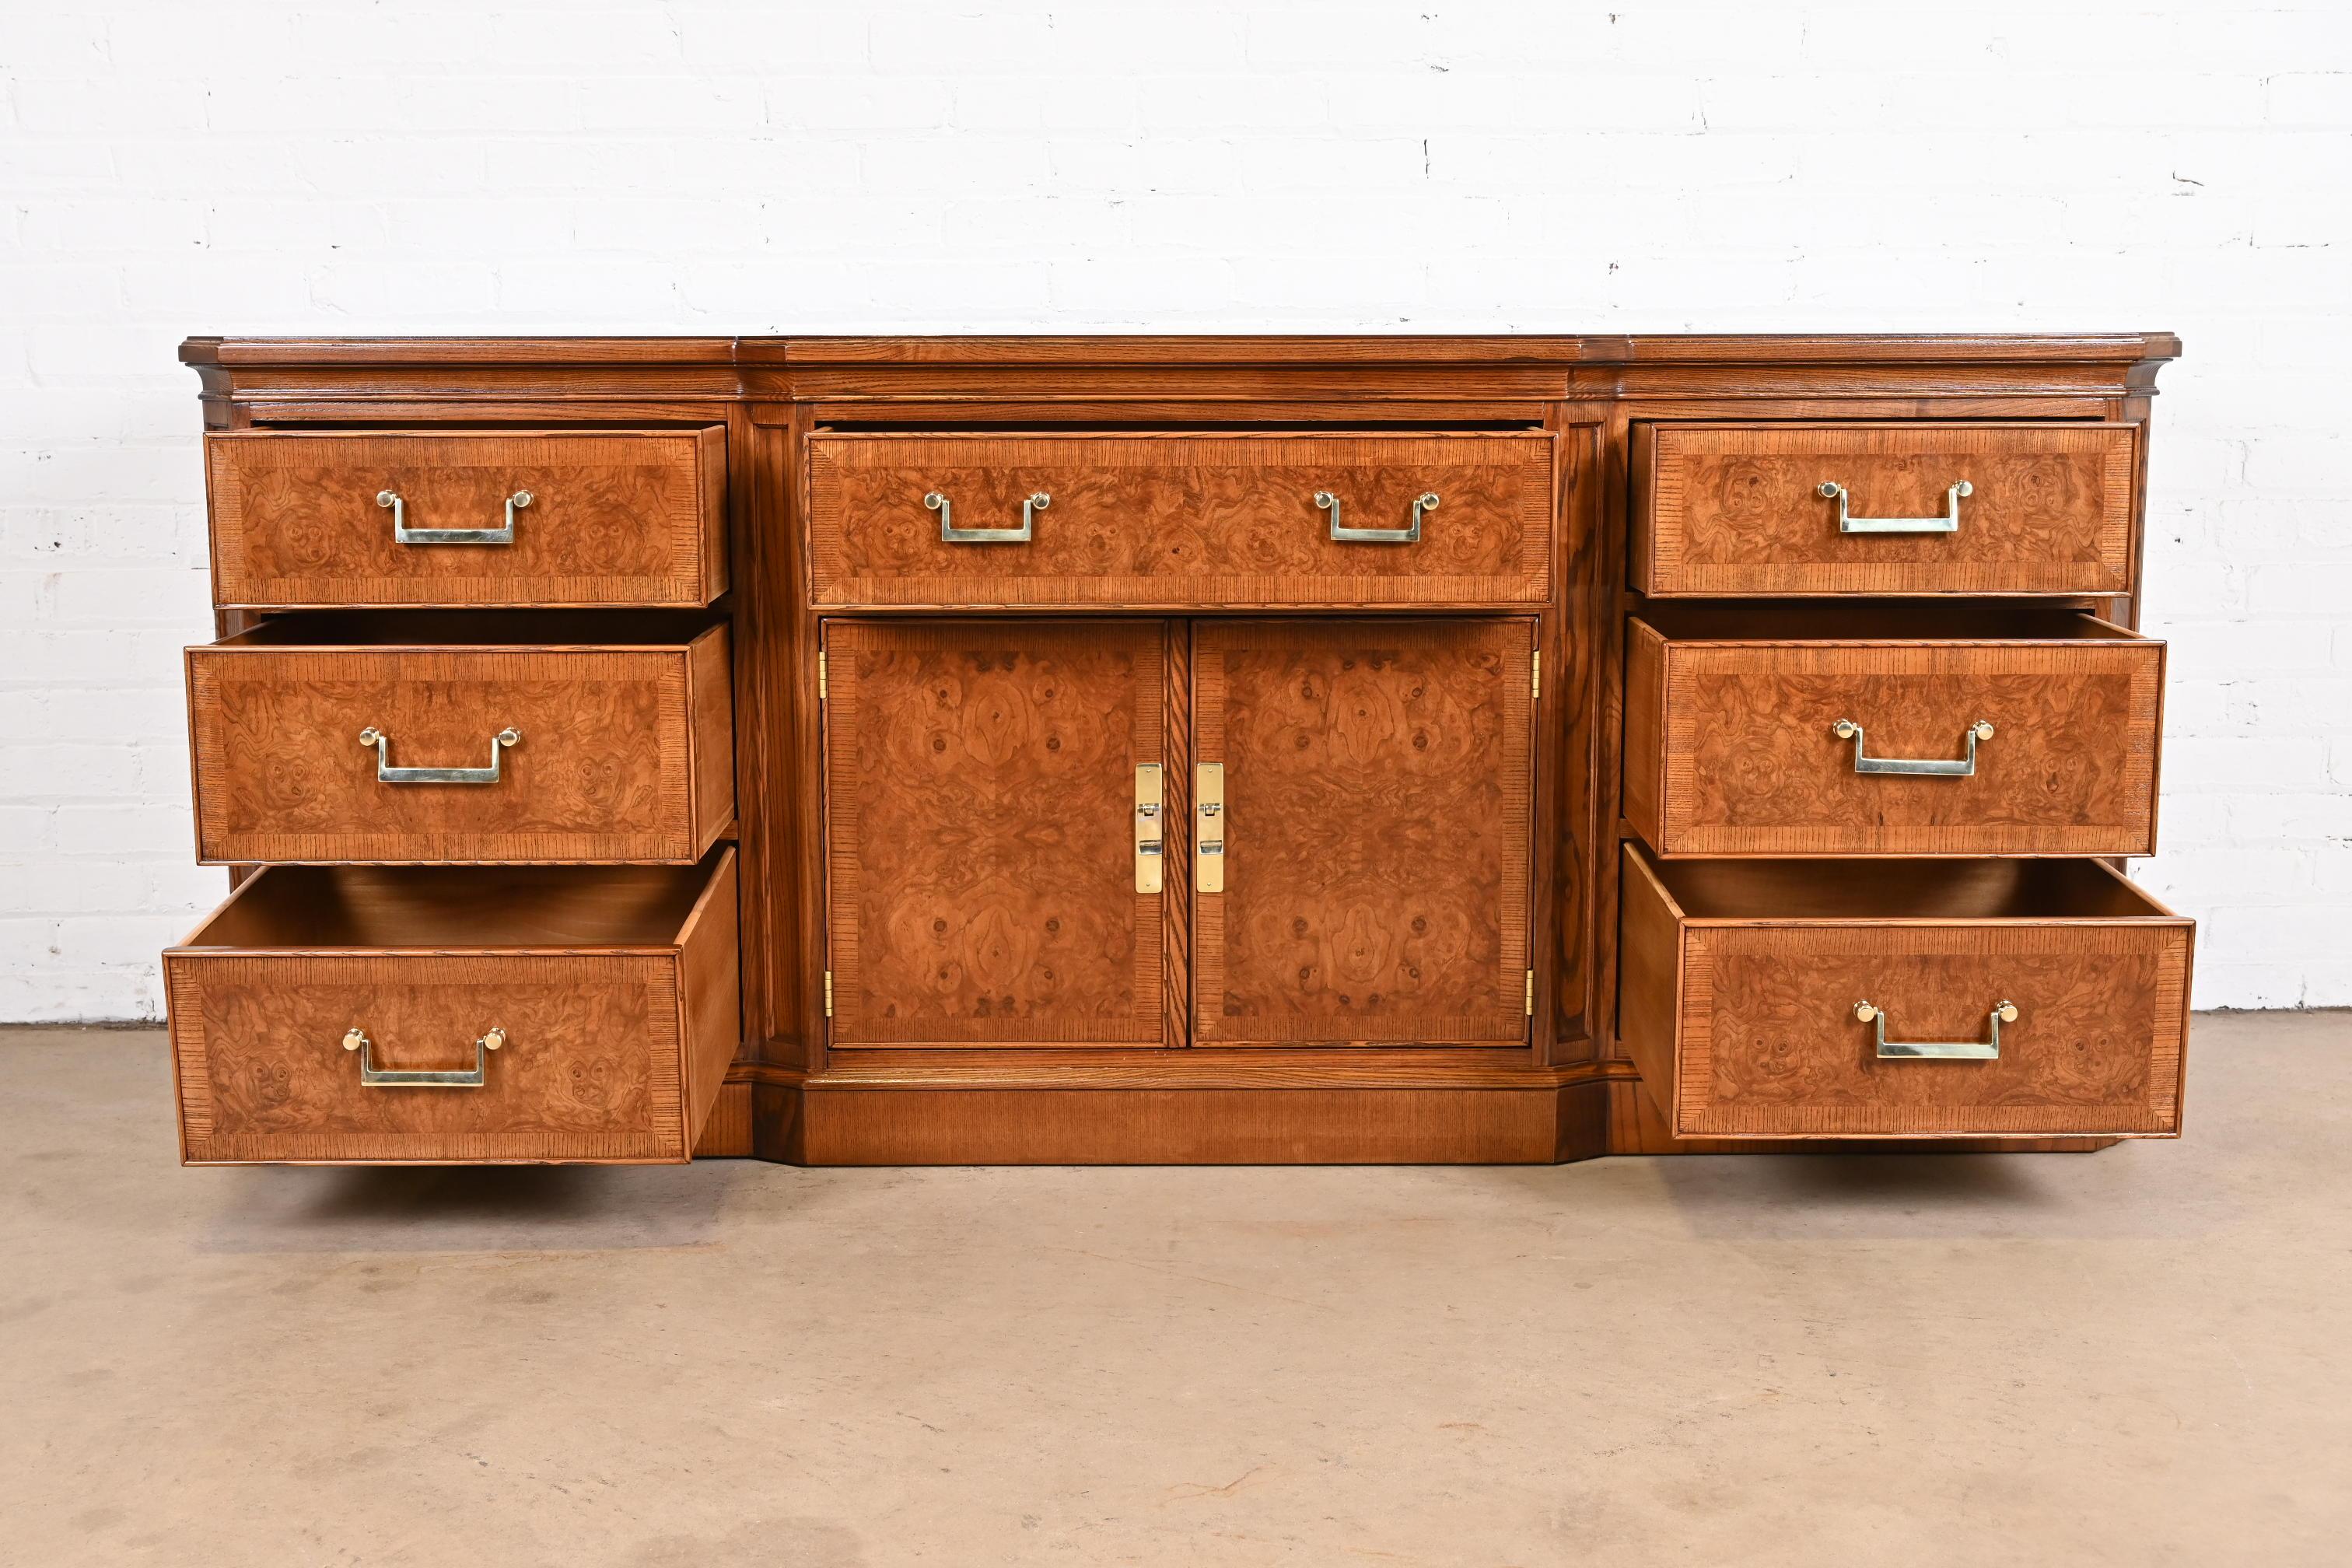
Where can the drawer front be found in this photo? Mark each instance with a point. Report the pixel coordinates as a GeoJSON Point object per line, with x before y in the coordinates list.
{"type": "Point", "coordinates": [610, 518]}
{"type": "Point", "coordinates": [1749, 1029]}
{"type": "Point", "coordinates": [612, 1041]}
{"type": "Point", "coordinates": [1739, 508]}
{"type": "Point", "coordinates": [1749, 749]}
{"type": "Point", "coordinates": [1181, 522]}
{"type": "Point", "coordinates": [591, 1068]}
{"type": "Point", "coordinates": [618, 756]}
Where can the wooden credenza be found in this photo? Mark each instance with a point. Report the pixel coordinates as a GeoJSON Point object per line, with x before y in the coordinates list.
{"type": "Point", "coordinates": [1174, 749]}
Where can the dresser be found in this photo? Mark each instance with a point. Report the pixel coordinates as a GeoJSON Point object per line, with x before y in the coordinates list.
{"type": "Point", "coordinates": [1174, 749]}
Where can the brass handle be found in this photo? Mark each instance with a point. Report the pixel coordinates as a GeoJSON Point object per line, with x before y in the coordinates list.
{"type": "Point", "coordinates": [386, 774]}
{"type": "Point", "coordinates": [1426, 502]}
{"type": "Point", "coordinates": [404, 534]}
{"type": "Point", "coordinates": [1151, 863]}
{"type": "Point", "coordinates": [1985, 1050]}
{"type": "Point", "coordinates": [950, 534]}
{"type": "Point", "coordinates": [1209, 834]}
{"type": "Point", "coordinates": [1849, 523]}
{"type": "Point", "coordinates": [375, 1077]}
{"type": "Point", "coordinates": [1962, 767]}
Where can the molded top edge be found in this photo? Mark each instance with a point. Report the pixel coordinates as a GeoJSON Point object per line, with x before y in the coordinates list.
{"type": "Point", "coordinates": [1218, 349]}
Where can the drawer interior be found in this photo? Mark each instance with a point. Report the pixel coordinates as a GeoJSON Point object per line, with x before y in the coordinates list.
{"type": "Point", "coordinates": [309, 908]}
{"type": "Point", "coordinates": [1880, 620]}
{"type": "Point", "coordinates": [1768, 890]}
{"type": "Point", "coordinates": [476, 629]}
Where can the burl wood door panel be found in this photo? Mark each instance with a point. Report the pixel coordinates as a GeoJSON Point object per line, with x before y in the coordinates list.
{"type": "Point", "coordinates": [979, 832]}
{"type": "Point", "coordinates": [607, 1055]}
{"type": "Point", "coordinates": [1733, 747]}
{"type": "Point", "coordinates": [1181, 522]}
{"type": "Point", "coordinates": [614, 517]}
{"type": "Point", "coordinates": [1738, 509]}
{"type": "Point", "coordinates": [623, 753]}
{"type": "Point", "coordinates": [1377, 831]}
{"type": "Point", "coordinates": [1738, 1002]}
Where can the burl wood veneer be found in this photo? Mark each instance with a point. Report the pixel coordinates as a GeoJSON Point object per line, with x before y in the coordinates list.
{"type": "Point", "coordinates": [1163, 749]}
{"type": "Point", "coordinates": [615, 517]}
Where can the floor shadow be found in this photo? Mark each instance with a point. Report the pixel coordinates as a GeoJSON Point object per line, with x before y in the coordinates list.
{"type": "Point", "coordinates": [494, 1208]}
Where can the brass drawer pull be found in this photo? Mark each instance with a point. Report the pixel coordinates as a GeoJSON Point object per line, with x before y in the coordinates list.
{"type": "Point", "coordinates": [1426, 502]}
{"type": "Point", "coordinates": [1150, 842]}
{"type": "Point", "coordinates": [1209, 838]}
{"type": "Point", "coordinates": [386, 774]}
{"type": "Point", "coordinates": [1849, 523]}
{"type": "Point", "coordinates": [1962, 767]}
{"type": "Point", "coordinates": [375, 1077]}
{"type": "Point", "coordinates": [1985, 1050]}
{"type": "Point", "coordinates": [950, 534]}
{"type": "Point", "coordinates": [404, 534]}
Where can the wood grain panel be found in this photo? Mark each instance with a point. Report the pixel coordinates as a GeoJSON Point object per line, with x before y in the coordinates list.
{"type": "Point", "coordinates": [625, 753]}
{"type": "Point", "coordinates": [1182, 520]}
{"type": "Point", "coordinates": [1758, 1001]}
{"type": "Point", "coordinates": [1731, 746]}
{"type": "Point", "coordinates": [613, 1053]}
{"type": "Point", "coordinates": [979, 832]}
{"type": "Point", "coordinates": [1735, 509]}
{"type": "Point", "coordinates": [1378, 831]}
{"type": "Point", "coordinates": [616, 517]}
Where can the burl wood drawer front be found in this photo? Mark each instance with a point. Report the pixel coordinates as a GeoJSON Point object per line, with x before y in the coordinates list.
{"type": "Point", "coordinates": [345, 749]}
{"type": "Point", "coordinates": [377, 1014]}
{"type": "Point", "coordinates": [1180, 521]}
{"type": "Point", "coordinates": [1736, 509]}
{"type": "Point", "coordinates": [1810, 999]}
{"type": "Point", "coordinates": [509, 517]}
{"type": "Point", "coordinates": [2040, 742]}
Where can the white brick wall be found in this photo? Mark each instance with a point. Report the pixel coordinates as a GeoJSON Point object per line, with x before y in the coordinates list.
{"type": "Point", "coordinates": [426, 166]}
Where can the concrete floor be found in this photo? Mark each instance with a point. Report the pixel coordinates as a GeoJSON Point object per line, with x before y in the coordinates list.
{"type": "Point", "coordinates": [2137, 1357]}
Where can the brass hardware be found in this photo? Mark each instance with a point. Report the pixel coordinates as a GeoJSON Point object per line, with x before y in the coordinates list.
{"type": "Point", "coordinates": [1150, 864]}
{"type": "Point", "coordinates": [1849, 523]}
{"type": "Point", "coordinates": [1426, 502]}
{"type": "Point", "coordinates": [828, 993]}
{"type": "Point", "coordinates": [950, 534]}
{"type": "Point", "coordinates": [1534, 687]}
{"type": "Point", "coordinates": [1531, 993]}
{"type": "Point", "coordinates": [404, 534]}
{"type": "Point", "coordinates": [386, 774]}
{"type": "Point", "coordinates": [1209, 840]}
{"type": "Point", "coordinates": [820, 675]}
{"type": "Point", "coordinates": [1962, 767]}
{"type": "Point", "coordinates": [1984, 1050]}
{"type": "Point", "coordinates": [375, 1077]}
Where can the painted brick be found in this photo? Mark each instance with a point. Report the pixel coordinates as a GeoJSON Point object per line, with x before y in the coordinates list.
{"type": "Point", "coordinates": [635, 165]}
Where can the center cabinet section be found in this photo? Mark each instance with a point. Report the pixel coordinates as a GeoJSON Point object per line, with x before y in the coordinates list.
{"type": "Point", "coordinates": [1124, 832]}
{"type": "Point", "coordinates": [1181, 522]}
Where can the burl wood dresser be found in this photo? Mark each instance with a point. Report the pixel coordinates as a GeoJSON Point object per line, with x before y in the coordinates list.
{"type": "Point", "coordinates": [1016, 750]}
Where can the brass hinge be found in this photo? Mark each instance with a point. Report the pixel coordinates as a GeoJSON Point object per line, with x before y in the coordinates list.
{"type": "Point", "coordinates": [828, 992]}
{"type": "Point", "coordinates": [820, 675]}
{"type": "Point", "coordinates": [1531, 993]}
{"type": "Point", "coordinates": [1536, 689]}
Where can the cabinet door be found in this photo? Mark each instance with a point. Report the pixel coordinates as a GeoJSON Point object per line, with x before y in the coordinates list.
{"type": "Point", "coordinates": [1376, 829]}
{"type": "Point", "coordinates": [982, 833]}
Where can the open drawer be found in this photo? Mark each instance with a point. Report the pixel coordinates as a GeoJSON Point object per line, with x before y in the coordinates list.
{"type": "Point", "coordinates": [381, 1015]}
{"type": "Point", "coordinates": [1902, 998]}
{"type": "Point", "coordinates": [461, 736]}
{"type": "Point", "coordinates": [1890, 729]}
